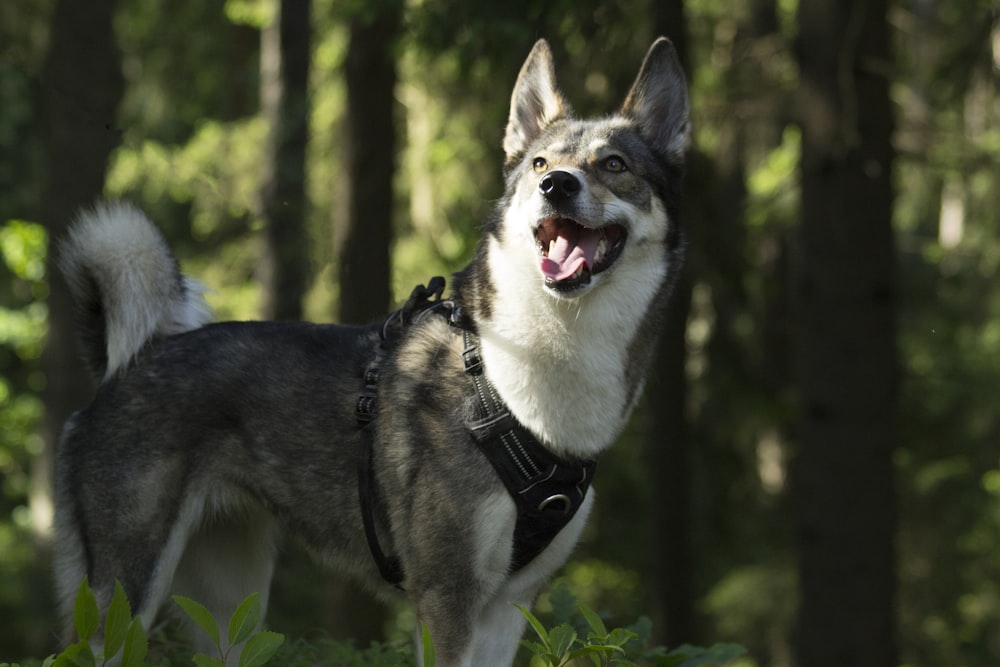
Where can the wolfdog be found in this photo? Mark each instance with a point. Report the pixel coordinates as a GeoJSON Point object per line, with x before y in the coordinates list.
{"type": "Point", "coordinates": [446, 451]}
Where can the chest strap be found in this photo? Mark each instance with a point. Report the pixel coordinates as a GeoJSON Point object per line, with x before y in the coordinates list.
{"type": "Point", "coordinates": [546, 489]}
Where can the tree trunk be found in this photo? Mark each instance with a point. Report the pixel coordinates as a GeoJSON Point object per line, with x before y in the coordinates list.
{"type": "Point", "coordinates": [285, 55]}
{"type": "Point", "coordinates": [365, 233]}
{"type": "Point", "coordinates": [83, 86]}
{"type": "Point", "coordinates": [846, 350]}
{"type": "Point", "coordinates": [667, 441]}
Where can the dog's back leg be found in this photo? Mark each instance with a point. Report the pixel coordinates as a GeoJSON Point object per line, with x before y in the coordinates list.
{"type": "Point", "coordinates": [226, 561]}
{"type": "Point", "coordinates": [142, 557]}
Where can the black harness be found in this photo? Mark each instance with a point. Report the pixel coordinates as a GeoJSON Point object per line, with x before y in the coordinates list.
{"type": "Point", "coordinates": [547, 490]}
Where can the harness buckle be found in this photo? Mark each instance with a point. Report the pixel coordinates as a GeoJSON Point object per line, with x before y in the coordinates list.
{"type": "Point", "coordinates": [567, 504]}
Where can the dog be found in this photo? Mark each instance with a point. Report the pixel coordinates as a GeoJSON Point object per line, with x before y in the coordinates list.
{"type": "Point", "coordinates": [446, 452]}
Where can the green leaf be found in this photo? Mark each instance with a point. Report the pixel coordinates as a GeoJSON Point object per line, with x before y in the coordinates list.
{"type": "Point", "coordinates": [430, 655]}
{"type": "Point", "coordinates": [75, 655]}
{"type": "Point", "coordinates": [260, 648]}
{"type": "Point", "coordinates": [562, 638]}
{"type": "Point", "coordinates": [200, 615]}
{"type": "Point", "coordinates": [244, 620]}
{"type": "Point", "coordinates": [589, 650]}
{"type": "Point", "coordinates": [594, 621]}
{"type": "Point", "coordinates": [116, 622]}
{"type": "Point", "coordinates": [136, 645]}
{"type": "Point", "coordinates": [202, 660]}
{"type": "Point", "coordinates": [86, 615]}
{"type": "Point", "coordinates": [619, 637]}
{"type": "Point", "coordinates": [538, 627]}
{"type": "Point", "coordinates": [534, 647]}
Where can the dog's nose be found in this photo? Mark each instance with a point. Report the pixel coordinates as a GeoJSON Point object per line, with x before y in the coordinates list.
{"type": "Point", "coordinates": [557, 186]}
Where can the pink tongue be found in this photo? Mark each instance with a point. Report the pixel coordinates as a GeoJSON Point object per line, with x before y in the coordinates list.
{"type": "Point", "coordinates": [574, 246]}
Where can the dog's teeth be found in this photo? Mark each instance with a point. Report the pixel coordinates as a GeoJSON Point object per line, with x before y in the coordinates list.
{"type": "Point", "coordinates": [602, 247]}
{"type": "Point", "coordinates": [552, 244]}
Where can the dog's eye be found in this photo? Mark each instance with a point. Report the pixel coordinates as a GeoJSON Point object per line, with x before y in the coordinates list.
{"type": "Point", "coordinates": [540, 164]}
{"type": "Point", "coordinates": [614, 163]}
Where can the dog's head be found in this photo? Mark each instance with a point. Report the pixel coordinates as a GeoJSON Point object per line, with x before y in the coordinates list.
{"type": "Point", "coordinates": [591, 196]}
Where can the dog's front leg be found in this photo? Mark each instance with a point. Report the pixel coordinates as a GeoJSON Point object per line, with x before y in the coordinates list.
{"type": "Point", "coordinates": [500, 624]}
{"type": "Point", "coordinates": [448, 615]}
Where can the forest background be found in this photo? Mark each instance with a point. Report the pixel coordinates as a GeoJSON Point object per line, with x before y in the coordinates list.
{"type": "Point", "coordinates": [814, 472]}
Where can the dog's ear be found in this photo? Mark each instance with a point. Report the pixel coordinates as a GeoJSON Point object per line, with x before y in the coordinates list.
{"type": "Point", "coordinates": [535, 103]}
{"type": "Point", "coordinates": [658, 101]}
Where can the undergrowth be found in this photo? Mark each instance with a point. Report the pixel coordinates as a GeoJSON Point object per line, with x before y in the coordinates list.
{"type": "Point", "coordinates": [578, 637]}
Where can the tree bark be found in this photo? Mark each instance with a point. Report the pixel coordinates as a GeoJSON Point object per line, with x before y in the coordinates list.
{"type": "Point", "coordinates": [667, 441]}
{"type": "Point", "coordinates": [364, 236]}
{"type": "Point", "coordinates": [364, 229]}
{"type": "Point", "coordinates": [846, 338]}
{"type": "Point", "coordinates": [285, 55]}
{"type": "Point", "coordinates": [82, 88]}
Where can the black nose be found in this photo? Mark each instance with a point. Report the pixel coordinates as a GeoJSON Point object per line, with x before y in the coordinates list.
{"type": "Point", "coordinates": [557, 186]}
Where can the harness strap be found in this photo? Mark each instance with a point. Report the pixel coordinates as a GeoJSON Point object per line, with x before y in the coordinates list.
{"type": "Point", "coordinates": [546, 489]}
{"type": "Point", "coordinates": [388, 566]}
{"type": "Point", "coordinates": [422, 300]}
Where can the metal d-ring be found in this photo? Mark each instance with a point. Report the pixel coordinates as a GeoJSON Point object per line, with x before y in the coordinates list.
{"type": "Point", "coordinates": [560, 497]}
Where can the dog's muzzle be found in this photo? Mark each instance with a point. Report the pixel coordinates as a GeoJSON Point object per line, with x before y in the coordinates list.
{"type": "Point", "coordinates": [572, 250]}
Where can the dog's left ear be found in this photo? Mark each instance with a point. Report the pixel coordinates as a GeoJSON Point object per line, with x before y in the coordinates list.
{"type": "Point", "coordinates": [535, 103]}
{"type": "Point", "coordinates": [658, 101]}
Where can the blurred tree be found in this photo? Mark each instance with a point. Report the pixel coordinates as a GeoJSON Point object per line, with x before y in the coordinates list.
{"type": "Point", "coordinates": [83, 86]}
{"type": "Point", "coordinates": [846, 338]}
{"type": "Point", "coordinates": [284, 55]}
{"type": "Point", "coordinates": [667, 441]}
{"type": "Point", "coordinates": [364, 231]}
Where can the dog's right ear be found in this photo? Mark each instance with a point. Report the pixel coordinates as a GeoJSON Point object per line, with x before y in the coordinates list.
{"type": "Point", "coordinates": [535, 104]}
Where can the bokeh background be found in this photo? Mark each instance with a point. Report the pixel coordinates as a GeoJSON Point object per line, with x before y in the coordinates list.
{"type": "Point", "coordinates": [815, 470]}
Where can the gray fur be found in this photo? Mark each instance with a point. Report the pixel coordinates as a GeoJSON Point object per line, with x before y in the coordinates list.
{"type": "Point", "coordinates": [203, 442]}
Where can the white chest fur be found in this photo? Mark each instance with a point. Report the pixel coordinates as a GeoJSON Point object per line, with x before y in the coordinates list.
{"type": "Point", "coordinates": [560, 362]}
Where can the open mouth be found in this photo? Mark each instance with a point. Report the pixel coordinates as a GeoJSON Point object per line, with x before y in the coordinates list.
{"type": "Point", "coordinates": [571, 254]}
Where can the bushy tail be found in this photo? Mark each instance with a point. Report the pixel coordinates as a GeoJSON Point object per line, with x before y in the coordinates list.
{"type": "Point", "coordinates": [126, 285]}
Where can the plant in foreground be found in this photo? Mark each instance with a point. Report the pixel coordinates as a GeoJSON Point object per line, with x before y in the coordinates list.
{"type": "Point", "coordinates": [125, 639]}
{"type": "Point", "coordinates": [563, 645]}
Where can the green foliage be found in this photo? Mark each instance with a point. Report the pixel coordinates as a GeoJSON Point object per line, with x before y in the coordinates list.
{"type": "Point", "coordinates": [125, 640]}
{"type": "Point", "coordinates": [588, 640]}
{"type": "Point", "coordinates": [124, 636]}
{"type": "Point", "coordinates": [583, 639]}
{"type": "Point", "coordinates": [258, 647]}
{"type": "Point", "coordinates": [23, 314]}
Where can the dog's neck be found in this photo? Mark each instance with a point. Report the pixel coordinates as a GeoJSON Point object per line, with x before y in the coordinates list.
{"type": "Point", "coordinates": [562, 365]}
